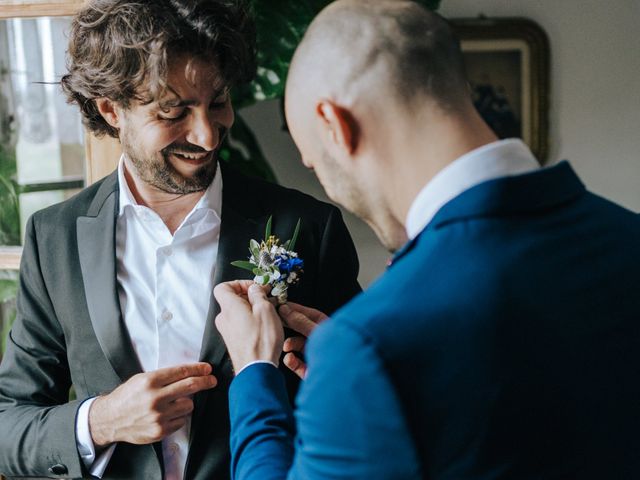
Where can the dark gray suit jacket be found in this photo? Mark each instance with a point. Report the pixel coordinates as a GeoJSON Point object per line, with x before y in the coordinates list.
{"type": "Point", "coordinates": [69, 329]}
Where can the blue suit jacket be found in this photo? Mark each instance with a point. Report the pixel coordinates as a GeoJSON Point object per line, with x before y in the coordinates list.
{"type": "Point", "coordinates": [503, 343]}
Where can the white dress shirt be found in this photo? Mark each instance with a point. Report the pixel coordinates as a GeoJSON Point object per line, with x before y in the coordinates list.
{"type": "Point", "coordinates": [497, 159]}
{"type": "Point", "coordinates": [164, 287]}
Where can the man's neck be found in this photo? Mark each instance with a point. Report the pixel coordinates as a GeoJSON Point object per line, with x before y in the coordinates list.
{"type": "Point", "coordinates": [172, 208]}
{"type": "Point", "coordinates": [424, 156]}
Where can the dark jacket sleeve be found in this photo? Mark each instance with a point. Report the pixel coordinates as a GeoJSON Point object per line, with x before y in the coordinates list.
{"type": "Point", "coordinates": [338, 266]}
{"type": "Point", "coordinates": [37, 421]}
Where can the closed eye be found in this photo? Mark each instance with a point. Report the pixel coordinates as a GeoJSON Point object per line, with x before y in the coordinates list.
{"type": "Point", "coordinates": [173, 114]}
{"type": "Point", "coordinates": [220, 101]}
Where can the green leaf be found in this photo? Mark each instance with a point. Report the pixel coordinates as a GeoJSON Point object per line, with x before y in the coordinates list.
{"type": "Point", "coordinates": [244, 265]}
{"type": "Point", "coordinates": [267, 230]}
{"type": "Point", "coordinates": [294, 238]}
{"type": "Point", "coordinates": [280, 26]}
{"type": "Point", "coordinates": [254, 248]}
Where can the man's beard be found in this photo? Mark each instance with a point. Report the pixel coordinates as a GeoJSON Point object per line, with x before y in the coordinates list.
{"type": "Point", "coordinates": [158, 171]}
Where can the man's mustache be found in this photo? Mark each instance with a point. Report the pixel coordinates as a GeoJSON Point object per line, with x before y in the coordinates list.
{"type": "Point", "coordinates": [191, 148]}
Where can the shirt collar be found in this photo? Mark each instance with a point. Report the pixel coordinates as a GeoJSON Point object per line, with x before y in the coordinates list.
{"type": "Point", "coordinates": [211, 200]}
{"type": "Point", "coordinates": [497, 159]}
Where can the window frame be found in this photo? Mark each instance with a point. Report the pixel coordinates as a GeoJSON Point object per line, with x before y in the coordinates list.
{"type": "Point", "coordinates": [102, 154]}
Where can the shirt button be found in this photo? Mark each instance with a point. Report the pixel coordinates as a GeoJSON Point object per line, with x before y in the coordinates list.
{"type": "Point", "coordinates": [168, 251]}
{"type": "Point", "coordinates": [167, 315]}
{"type": "Point", "coordinates": [174, 448]}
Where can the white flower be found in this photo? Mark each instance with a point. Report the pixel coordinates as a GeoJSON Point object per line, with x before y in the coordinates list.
{"type": "Point", "coordinates": [270, 262]}
{"type": "Point", "coordinates": [279, 289]}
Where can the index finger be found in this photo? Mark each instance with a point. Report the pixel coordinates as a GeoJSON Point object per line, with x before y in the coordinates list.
{"type": "Point", "coordinates": [169, 375]}
{"type": "Point", "coordinates": [235, 287]}
{"type": "Point", "coordinates": [315, 315]}
{"type": "Point", "coordinates": [297, 321]}
{"type": "Point", "coordinates": [187, 387]}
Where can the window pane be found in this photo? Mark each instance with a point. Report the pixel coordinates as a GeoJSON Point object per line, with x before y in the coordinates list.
{"type": "Point", "coordinates": [41, 136]}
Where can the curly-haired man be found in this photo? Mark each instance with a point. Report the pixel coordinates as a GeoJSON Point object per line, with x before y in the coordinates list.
{"type": "Point", "coordinates": [116, 283]}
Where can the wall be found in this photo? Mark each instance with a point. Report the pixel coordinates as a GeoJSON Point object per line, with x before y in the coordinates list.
{"type": "Point", "coordinates": [595, 103]}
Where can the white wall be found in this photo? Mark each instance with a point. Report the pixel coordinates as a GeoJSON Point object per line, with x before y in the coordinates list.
{"type": "Point", "coordinates": [595, 103]}
{"type": "Point", "coordinates": [595, 90]}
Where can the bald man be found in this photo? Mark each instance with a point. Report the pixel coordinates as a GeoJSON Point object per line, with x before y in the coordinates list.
{"type": "Point", "coordinates": [504, 340]}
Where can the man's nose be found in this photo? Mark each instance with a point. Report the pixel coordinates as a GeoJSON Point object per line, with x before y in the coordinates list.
{"type": "Point", "coordinates": [203, 131]}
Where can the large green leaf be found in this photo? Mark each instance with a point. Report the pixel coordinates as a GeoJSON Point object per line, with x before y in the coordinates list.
{"type": "Point", "coordinates": [280, 25]}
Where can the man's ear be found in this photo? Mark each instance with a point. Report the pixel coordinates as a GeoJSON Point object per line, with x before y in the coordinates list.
{"type": "Point", "coordinates": [109, 111]}
{"type": "Point", "coordinates": [338, 128]}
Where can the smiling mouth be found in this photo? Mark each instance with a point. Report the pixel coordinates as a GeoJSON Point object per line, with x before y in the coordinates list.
{"type": "Point", "coordinates": [194, 158]}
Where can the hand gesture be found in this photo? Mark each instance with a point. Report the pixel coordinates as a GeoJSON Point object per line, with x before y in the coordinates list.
{"type": "Point", "coordinates": [149, 406]}
{"type": "Point", "coordinates": [248, 323]}
{"type": "Point", "coordinates": [303, 320]}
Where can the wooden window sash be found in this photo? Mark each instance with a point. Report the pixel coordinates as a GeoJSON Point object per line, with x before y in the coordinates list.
{"type": "Point", "coordinates": [102, 155]}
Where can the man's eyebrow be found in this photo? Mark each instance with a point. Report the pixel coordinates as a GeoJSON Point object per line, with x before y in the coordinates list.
{"type": "Point", "coordinates": [179, 102]}
{"type": "Point", "coordinates": [175, 102]}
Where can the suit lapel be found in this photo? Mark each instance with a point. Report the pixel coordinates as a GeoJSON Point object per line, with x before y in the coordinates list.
{"type": "Point", "coordinates": [237, 228]}
{"type": "Point", "coordinates": [96, 248]}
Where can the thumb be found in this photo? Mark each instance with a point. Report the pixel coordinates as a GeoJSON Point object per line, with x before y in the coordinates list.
{"type": "Point", "coordinates": [256, 294]}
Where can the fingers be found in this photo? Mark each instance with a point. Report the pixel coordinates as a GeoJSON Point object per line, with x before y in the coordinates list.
{"type": "Point", "coordinates": [169, 375]}
{"type": "Point", "coordinates": [179, 408]}
{"type": "Point", "coordinates": [313, 314]}
{"type": "Point", "coordinates": [294, 364]}
{"type": "Point", "coordinates": [172, 426]}
{"type": "Point", "coordinates": [232, 294]}
{"type": "Point", "coordinates": [188, 386]}
{"type": "Point", "coordinates": [256, 294]}
{"type": "Point", "coordinates": [262, 308]}
{"type": "Point", "coordinates": [297, 321]}
{"type": "Point", "coordinates": [294, 344]}
{"type": "Point", "coordinates": [236, 287]}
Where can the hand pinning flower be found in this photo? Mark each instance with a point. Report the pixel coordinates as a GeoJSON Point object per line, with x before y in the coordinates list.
{"type": "Point", "coordinates": [274, 264]}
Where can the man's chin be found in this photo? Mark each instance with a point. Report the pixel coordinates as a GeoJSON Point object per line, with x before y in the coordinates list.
{"type": "Point", "coordinates": [187, 180]}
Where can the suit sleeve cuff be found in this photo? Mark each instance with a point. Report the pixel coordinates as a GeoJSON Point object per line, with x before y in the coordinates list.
{"type": "Point", "coordinates": [96, 465]}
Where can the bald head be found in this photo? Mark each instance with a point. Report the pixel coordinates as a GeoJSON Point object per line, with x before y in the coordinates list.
{"type": "Point", "coordinates": [382, 47]}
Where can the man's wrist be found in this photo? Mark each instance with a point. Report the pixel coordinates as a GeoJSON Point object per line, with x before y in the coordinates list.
{"type": "Point", "coordinates": [101, 431]}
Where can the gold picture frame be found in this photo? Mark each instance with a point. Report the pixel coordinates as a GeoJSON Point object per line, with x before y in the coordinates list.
{"type": "Point", "coordinates": [507, 62]}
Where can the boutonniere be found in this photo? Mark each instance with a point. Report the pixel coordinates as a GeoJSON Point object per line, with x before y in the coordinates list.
{"type": "Point", "coordinates": [273, 263]}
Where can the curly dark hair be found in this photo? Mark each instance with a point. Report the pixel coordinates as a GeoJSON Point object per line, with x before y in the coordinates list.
{"type": "Point", "coordinates": [118, 49]}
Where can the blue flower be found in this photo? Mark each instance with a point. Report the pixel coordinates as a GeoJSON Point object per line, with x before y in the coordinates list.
{"type": "Point", "coordinates": [289, 264]}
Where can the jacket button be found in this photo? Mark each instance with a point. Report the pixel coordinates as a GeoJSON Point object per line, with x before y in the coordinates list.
{"type": "Point", "coordinates": [58, 469]}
